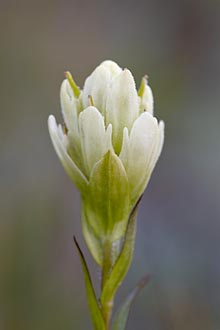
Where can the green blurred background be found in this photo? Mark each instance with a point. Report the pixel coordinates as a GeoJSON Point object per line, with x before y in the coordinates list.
{"type": "Point", "coordinates": [177, 43]}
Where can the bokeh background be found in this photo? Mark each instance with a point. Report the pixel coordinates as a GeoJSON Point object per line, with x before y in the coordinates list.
{"type": "Point", "coordinates": [177, 43]}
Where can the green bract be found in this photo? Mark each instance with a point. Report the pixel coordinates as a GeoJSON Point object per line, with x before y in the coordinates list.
{"type": "Point", "coordinates": [109, 146]}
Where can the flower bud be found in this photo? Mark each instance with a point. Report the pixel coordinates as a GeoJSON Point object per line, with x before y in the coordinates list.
{"type": "Point", "coordinates": [109, 148]}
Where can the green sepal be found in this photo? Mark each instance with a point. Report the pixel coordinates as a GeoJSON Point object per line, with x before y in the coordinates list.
{"type": "Point", "coordinates": [106, 201]}
{"type": "Point", "coordinates": [94, 309]}
{"type": "Point", "coordinates": [75, 88]}
{"type": "Point", "coordinates": [121, 316]}
{"type": "Point", "coordinates": [123, 261]}
{"type": "Point", "coordinates": [142, 86]}
{"type": "Point", "coordinates": [93, 242]}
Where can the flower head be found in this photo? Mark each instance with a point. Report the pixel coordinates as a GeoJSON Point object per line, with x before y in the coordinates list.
{"type": "Point", "coordinates": [109, 146]}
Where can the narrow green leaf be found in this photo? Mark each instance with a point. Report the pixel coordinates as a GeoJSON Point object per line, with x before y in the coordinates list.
{"type": "Point", "coordinates": [121, 317]}
{"type": "Point", "coordinates": [95, 312]}
{"type": "Point", "coordinates": [75, 88]}
{"type": "Point", "coordinates": [123, 261]}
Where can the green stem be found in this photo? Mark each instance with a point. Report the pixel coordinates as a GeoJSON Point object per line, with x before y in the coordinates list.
{"type": "Point", "coordinates": [114, 271]}
{"type": "Point", "coordinates": [106, 269]}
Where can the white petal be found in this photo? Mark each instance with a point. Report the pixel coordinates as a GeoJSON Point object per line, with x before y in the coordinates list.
{"type": "Point", "coordinates": [122, 106]}
{"type": "Point", "coordinates": [125, 146]}
{"type": "Point", "coordinates": [153, 158]}
{"type": "Point", "coordinates": [142, 142]}
{"type": "Point", "coordinates": [147, 100]}
{"type": "Point", "coordinates": [62, 136]}
{"type": "Point", "coordinates": [69, 109]}
{"type": "Point", "coordinates": [113, 68]}
{"type": "Point", "coordinates": [96, 85]}
{"type": "Point", "coordinates": [158, 146]}
{"type": "Point", "coordinates": [108, 137]}
{"type": "Point", "coordinates": [94, 140]}
{"type": "Point", "coordinates": [59, 144]}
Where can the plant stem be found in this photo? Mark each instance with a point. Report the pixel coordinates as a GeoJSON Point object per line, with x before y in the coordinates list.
{"type": "Point", "coordinates": [107, 266]}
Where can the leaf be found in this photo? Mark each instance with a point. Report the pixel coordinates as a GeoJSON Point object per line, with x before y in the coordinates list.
{"type": "Point", "coordinates": [107, 200]}
{"type": "Point", "coordinates": [121, 317]}
{"type": "Point", "coordinates": [123, 261]}
{"type": "Point", "coordinates": [95, 312]}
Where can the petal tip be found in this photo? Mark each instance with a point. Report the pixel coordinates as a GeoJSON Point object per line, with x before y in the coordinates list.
{"type": "Point", "coordinates": [52, 122]}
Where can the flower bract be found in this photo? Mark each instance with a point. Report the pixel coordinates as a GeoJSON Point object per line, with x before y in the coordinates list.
{"type": "Point", "coordinates": [109, 145]}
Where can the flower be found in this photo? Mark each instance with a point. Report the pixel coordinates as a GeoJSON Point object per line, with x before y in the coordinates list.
{"type": "Point", "coordinates": [109, 146]}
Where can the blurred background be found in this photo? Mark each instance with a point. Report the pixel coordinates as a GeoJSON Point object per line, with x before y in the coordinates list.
{"type": "Point", "coordinates": [177, 43]}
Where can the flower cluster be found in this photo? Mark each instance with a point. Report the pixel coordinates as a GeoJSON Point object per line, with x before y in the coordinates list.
{"type": "Point", "coordinates": [109, 145]}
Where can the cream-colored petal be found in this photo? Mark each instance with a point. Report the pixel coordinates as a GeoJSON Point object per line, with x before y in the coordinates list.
{"type": "Point", "coordinates": [147, 101]}
{"type": "Point", "coordinates": [108, 138]}
{"type": "Point", "coordinates": [69, 109]}
{"type": "Point", "coordinates": [151, 162]}
{"type": "Point", "coordinates": [122, 106]}
{"type": "Point", "coordinates": [60, 146]}
{"type": "Point", "coordinates": [146, 97]}
{"type": "Point", "coordinates": [158, 146]}
{"type": "Point", "coordinates": [97, 84]}
{"type": "Point", "coordinates": [92, 136]}
{"type": "Point", "coordinates": [142, 142]}
{"type": "Point", "coordinates": [69, 105]}
{"type": "Point", "coordinates": [125, 147]}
